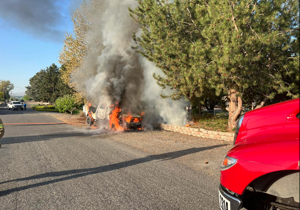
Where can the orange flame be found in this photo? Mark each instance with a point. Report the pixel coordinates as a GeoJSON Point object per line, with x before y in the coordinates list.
{"type": "Point", "coordinates": [114, 119]}
{"type": "Point", "coordinates": [128, 118]}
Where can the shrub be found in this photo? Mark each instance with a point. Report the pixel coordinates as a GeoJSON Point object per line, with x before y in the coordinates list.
{"type": "Point", "coordinates": [39, 107]}
{"type": "Point", "coordinates": [51, 107]}
{"type": "Point", "coordinates": [65, 103]}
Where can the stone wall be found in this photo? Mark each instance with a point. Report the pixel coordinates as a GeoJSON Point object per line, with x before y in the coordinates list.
{"type": "Point", "coordinates": [199, 132]}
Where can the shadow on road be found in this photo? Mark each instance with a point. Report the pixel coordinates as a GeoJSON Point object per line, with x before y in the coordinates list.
{"type": "Point", "coordinates": [36, 138]}
{"type": "Point", "coordinates": [74, 174]}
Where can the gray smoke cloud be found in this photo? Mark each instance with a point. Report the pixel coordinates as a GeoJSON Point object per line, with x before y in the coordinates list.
{"type": "Point", "coordinates": [43, 19]}
{"type": "Point", "coordinates": [112, 71]}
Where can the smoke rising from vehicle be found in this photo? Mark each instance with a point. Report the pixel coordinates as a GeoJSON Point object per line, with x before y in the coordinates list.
{"type": "Point", "coordinates": [112, 71]}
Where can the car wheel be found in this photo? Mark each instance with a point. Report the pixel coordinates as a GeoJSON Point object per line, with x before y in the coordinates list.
{"type": "Point", "coordinates": [89, 120]}
{"type": "Point", "coordinates": [113, 127]}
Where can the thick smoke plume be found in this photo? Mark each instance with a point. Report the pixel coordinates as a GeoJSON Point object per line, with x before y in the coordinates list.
{"type": "Point", "coordinates": [43, 19]}
{"type": "Point", "coordinates": [112, 71]}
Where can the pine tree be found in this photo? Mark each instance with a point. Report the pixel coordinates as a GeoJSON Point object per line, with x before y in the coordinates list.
{"type": "Point", "coordinates": [247, 49]}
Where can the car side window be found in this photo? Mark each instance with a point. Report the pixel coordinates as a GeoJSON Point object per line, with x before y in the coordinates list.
{"type": "Point", "coordinates": [298, 115]}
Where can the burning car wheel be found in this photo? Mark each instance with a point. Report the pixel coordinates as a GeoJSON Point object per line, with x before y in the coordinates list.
{"type": "Point", "coordinates": [89, 120]}
{"type": "Point", "coordinates": [113, 127]}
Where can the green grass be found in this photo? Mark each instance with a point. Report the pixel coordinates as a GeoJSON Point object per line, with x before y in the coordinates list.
{"type": "Point", "coordinates": [210, 122]}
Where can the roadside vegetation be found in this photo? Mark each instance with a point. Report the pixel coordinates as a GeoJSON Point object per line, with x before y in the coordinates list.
{"type": "Point", "coordinates": [5, 87]}
{"type": "Point", "coordinates": [46, 108]}
{"type": "Point", "coordinates": [47, 85]}
{"type": "Point", "coordinates": [211, 122]}
{"type": "Point", "coordinates": [52, 108]}
{"type": "Point", "coordinates": [66, 104]}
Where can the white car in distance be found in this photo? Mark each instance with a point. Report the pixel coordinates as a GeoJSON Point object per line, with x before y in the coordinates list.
{"type": "Point", "coordinates": [14, 105]}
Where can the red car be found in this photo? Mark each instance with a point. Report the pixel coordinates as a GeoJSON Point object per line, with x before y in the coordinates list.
{"type": "Point", "coordinates": [262, 171]}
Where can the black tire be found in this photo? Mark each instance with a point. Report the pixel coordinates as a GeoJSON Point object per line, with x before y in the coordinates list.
{"type": "Point", "coordinates": [89, 120]}
{"type": "Point", "coordinates": [113, 127]}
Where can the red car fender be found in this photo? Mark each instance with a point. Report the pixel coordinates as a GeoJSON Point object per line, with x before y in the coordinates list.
{"type": "Point", "coordinates": [276, 121]}
{"type": "Point", "coordinates": [255, 160]}
{"type": "Point", "coordinates": [243, 173]}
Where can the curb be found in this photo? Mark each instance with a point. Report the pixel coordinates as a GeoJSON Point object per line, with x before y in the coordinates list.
{"type": "Point", "coordinates": [226, 136]}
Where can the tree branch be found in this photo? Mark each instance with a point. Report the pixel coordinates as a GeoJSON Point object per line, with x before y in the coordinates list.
{"type": "Point", "coordinates": [233, 18]}
{"type": "Point", "coordinates": [262, 103]}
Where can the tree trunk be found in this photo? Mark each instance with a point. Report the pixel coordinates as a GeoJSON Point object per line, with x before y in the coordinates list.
{"type": "Point", "coordinates": [235, 107]}
{"type": "Point", "coordinates": [212, 105]}
{"type": "Point", "coordinates": [200, 108]}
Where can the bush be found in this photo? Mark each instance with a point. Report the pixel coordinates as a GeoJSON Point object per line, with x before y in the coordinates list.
{"type": "Point", "coordinates": [44, 108]}
{"type": "Point", "coordinates": [50, 107]}
{"type": "Point", "coordinates": [65, 103]}
{"type": "Point", "coordinates": [38, 107]}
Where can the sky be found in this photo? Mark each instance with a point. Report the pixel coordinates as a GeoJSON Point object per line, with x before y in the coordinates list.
{"type": "Point", "coordinates": [31, 37]}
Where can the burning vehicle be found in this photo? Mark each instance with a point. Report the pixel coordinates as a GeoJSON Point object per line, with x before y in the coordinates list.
{"type": "Point", "coordinates": [113, 116]}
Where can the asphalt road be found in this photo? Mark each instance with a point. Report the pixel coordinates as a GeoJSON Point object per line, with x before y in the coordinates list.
{"type": "Point", "coordinates": [44, 165]}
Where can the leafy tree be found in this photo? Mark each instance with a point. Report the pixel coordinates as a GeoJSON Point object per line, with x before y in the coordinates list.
{"type": "Point", "coordinates": [26, 98]}
{"type": "Point", "coordinates": [65, 103]}
{"type": "Point", "coordinates": [246, 49]}
{"type": "Point", "coordinates": [36, 90]}
{"type": "Point", "coordinates": [6, 86]}
{"type": "Point", "coordinates": [1, 96]}
{"type": "Point", "coordinates": [75, 46]}
{"type": "Point", "coordinates": [47, 85]}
